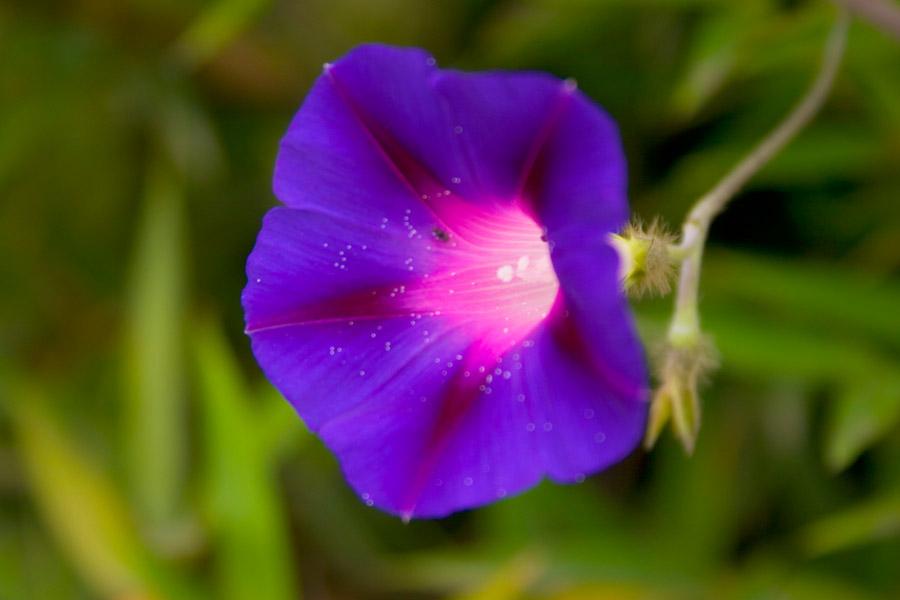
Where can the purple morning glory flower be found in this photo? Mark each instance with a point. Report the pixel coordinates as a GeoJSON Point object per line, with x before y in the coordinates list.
{"type": "Point", "coordinates": [437, 298]}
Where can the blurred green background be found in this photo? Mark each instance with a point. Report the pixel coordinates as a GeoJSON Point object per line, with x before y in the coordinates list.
{"type": "Point", "coordinates": [142, 454]}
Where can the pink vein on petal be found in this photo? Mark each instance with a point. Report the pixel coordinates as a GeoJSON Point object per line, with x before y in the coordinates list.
{"type": "Point", "coordinates": [543, 135]}
{"type": "Point", "coordinates": [425, 187]}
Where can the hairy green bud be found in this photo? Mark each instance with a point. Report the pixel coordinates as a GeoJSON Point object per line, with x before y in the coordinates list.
{"type": "Point", "coordinates": [646, 268]}
{"type": "Point", "coordinates": [682, 370]}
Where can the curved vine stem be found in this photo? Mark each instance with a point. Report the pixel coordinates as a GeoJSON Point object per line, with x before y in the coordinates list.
{"type": "Point", "coordinates": [883, 14]}
{"type": "Point", "coordinates": [689, 356]}
{"type": "Point", "coordinates": [685, 327]}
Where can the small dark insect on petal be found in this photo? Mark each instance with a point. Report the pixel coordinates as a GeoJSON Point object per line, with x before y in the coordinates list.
{"type": "Point", "coordinates": [440, 234]}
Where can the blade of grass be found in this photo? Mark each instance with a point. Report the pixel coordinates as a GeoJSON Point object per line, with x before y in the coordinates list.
{"type": "Point", "coordinates": [155, 436]}
{"type": "Point", "coordinates": [511, 581]}
{"type": "Point", "coordinates": [248, 526]}
{"type": "Point", "coordinates": [85, 511]}
{"type": "Point", "coordinates": [861, 415]}
{"type": "Point", "coordinates": [215, 27]}
{"type": "Point", "coordinates": [824, 295]}
{"type": "Point", "coordinates": [869, 521]}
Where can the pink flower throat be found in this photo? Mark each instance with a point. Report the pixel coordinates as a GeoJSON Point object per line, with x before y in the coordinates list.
{"type": "Point", "coordinates": [495, 277]}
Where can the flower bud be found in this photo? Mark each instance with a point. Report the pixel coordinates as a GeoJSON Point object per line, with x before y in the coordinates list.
{"type": "Point", "coordinates": [645, 265]}
{"type": "Point", "coordinates": [683, 370]}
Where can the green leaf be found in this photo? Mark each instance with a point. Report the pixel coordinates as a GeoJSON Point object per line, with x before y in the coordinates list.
{"type": "Point", "coordinates": [216, 26]}
{"type": "Point", "coordinates": [826, 295]}
{"type": "Point", "coordinates": [805, 325]}
{"type": "Point", "coordinates": [511, 581]}
{"type": "Point", "coordinates": [247, 523]}
{"type": "Point", "coordinates": [280, 429]}
{"type": "Point", "coordinates": [769, 576]}
{"type": "Point", "coordinates": [863, 413]}
{"type": "Point", "coordinates": [155, 436]}
{"type": "Point", "coordinates": [186, 134]}
{"type": "Point", "coordinates": [872, 520]}
{"type": "Point", "coordinates": [712, 54]}
{"type": "Point", "coordinates": [768, 349]}
{"type": "Point", "coordinates": [85, 511]}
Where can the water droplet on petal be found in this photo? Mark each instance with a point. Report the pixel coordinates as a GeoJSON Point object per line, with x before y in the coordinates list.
{"type": "Point", "coordinates": [505, 273]}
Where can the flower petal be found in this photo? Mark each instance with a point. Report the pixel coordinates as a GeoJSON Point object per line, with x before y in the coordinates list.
{"type": "Point", "coordinates": [594, 320]}
{"type": "Point", "coordinates": [372, 123]}
{"type": "Point", "coordinates": [328, 158]}
{"type": "Point", "coordinates": [391, 91]}
{"type": "Point", "coordinates": [531, 137]}
{"type": "Point", "coordinates": [541, 413]}
{"type": "Point", "coordinates": [500, 122]}
{"type": "Point", "coordinates": [408, 304]}
{"type": "Point", "coordinates": [578, 180]}
{"type": "Point", "coordinates": [355, 364]}
{"type": "Point", "coordinates": [426, 410]}
{"type": "Point", "coordinates": [308, 266]}
{"type": "Point", "coordinates": [371, 399]}
{"type": "Point", "coordinates": [385, 120]}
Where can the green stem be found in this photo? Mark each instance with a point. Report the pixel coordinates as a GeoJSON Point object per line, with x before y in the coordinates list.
{"type": "Point", "coordinates": [883, 14]}
{"type": "Point", "coordinates": [685, 327]}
